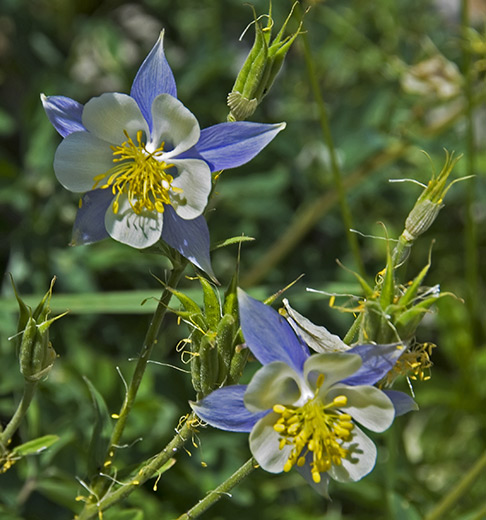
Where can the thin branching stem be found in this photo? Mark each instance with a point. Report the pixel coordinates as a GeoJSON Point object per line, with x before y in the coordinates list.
{"type": "Point", "coordinates": [335, 168]}
{"type": "Point", "coordinates": [221, 491]}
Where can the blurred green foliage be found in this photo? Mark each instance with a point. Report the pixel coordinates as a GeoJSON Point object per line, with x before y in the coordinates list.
{"type": "Point", "coordinates": [362, 52]}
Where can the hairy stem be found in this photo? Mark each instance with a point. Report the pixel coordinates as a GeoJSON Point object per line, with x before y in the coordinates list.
{"type": "Point", "coordinates": [12, 426]}
{"type": "Point", "coordinates": [96, 505]}
{"type": "Point", "coordinates": [222, 490]}
{"type": "Point", "coordinates": [145, 353]}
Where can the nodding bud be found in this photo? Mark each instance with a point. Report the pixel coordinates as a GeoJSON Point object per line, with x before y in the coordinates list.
{"type": "Point", "coordinates": [261, 67]}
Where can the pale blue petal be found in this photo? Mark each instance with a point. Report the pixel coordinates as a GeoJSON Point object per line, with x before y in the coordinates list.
{"type": "Point", "coordinates": [64, 114]}
{"type": "Point", "coordinates": [189, 237]}
{"type": "Point", "coordinates": [366, 404]}
{"type": "Point", "coordinates": [111, 116]}
{"type": "Point", "coordinates": [265, 445]}
{"type": "Point", "coordinates": [89, 225]}
{"type": "Point", "coordinates": [361, 460]}
{"type": "Point", "coordinates": [275, 383]}
{"type": "Point", "coordinates": [229, 145]}
{"type": "Point", "coordinates": [268, 335]}
{"type": "Point", "coordinates": [224, 409]}
{"type": "Point", "coordinates": [154, 77]}
{"type": "Point", "coordinates": [402, 402]}
{"type": "Point", "coordinates": [135, 230]}
{"type": "Point", "coordinates": [334, 366]}
{"type": "Point", "coordinates": [173, 123]}
{"type": "Point", "coordinates": [378, 360]}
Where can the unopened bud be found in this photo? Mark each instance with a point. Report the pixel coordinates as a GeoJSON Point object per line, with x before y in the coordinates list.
{"type": "Point", "coordinates": [260, 69]}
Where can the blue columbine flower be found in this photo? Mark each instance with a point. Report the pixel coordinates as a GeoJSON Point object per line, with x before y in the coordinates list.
{"type": "Point", "coordinates": [302, 409]}
{"type": "Point", "coordinates": [143, 162]}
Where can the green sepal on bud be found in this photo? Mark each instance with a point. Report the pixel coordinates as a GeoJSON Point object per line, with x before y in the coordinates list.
{"type": "Point", "coordinates": [261, 67]}
{"type": "Point", "coordinates": [36, 354]}
{"type": "Point", "coordinates": [214, 335]}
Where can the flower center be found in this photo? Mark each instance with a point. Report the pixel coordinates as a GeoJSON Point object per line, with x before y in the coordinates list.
{"type": "Point", "coordinates": [316, 428]}
{"type": "Point", "coordinates": [140, 174]}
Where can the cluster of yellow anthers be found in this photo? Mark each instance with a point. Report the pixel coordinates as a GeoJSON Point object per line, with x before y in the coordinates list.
{"type": "Point", "coordinates": [415, 364]}
{"type": "Point", "coordinates": [317, 428]}
{"type": "Point", "coordinates": [140, 174]}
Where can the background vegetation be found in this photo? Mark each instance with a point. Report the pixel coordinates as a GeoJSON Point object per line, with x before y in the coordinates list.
{"type": "Point", "coordinates": [363, 53]}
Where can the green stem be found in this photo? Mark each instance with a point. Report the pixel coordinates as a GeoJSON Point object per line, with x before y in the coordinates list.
{"type": "Point", "coordinates": [12, 426]}
{"type": "Point", "coordinates": [336, 171]}
{"type": "Point", "coordinates": [145, 353]}
{"type": "Point", "coordinates": [453, 496]}
{"type": "Point", "coordinates": [471, 245]}
{"type": "Point", "coordinates": [222, 490]}
{"type": "Point", "coordinates": [149, 470]}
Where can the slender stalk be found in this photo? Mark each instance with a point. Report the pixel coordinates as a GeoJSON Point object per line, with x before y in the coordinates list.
{"type": "Point", "coordinates": [12, 426]}
{"type": "Point", "coordinates": [149, 470]}
{"type": "Point", "coordinates": [145, 353]}
{"type": "Point", "coordinates": [222, 490]}
{"type": "Point", "coordinates": [453, 496]}
{"type": "Point", "coordinates": [471, 245]}
{"type": "Point", "coordinates": [336, 171]}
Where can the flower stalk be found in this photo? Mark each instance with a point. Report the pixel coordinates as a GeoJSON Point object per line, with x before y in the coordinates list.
{"type": "Point", "coordinates": [223, 489]}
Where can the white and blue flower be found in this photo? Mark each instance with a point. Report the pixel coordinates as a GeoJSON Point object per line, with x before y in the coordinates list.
{"type": "Point", "coordinates": [144, 164]}
{"type": "Point", "coordinates": [300, 409]}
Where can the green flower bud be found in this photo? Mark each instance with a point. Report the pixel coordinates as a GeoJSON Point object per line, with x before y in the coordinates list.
{"type": "Point", "coordinates": [36, 354]}
{"type": "Point", "coordinates": [429, 203]}
{"type": "Point", "coordinates": [260, 68]}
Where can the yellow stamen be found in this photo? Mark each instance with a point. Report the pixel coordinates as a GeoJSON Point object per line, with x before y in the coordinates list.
{"type": "Point", "coordinates": [140, 174]}
{"type": "Point", "coordinates": [314, 428]}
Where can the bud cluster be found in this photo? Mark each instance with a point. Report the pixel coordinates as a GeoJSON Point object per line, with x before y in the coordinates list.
{"type": "Point", "coordinates": [215, 342]}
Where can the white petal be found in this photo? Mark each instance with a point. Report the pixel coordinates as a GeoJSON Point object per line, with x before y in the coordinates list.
{"type": "Point", "coordinates": [173, 123]}
{"type": "Point", "coordinates": [275, 383]}
{"type": "Point", "coordinates": [335, 366]}
{"type": "Point", "coordinates": [194, 179]}
{"type": "Point", "coordinates": [138, 231]}
{"type": "Point", "coordinates": [366, 404]}
{"type": "Point", "coordinates": [361, 462]}
{"type": "Point", "coordinates": [264, 445]}
{"type": "Point", "coordinates": [109, 115]}
{"type": "Point", "coordinates": [79, 158]}
{"type": "Point", "coordinates": [316, 337]}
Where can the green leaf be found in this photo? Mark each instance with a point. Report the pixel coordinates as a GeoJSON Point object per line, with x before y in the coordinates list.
{"type": "Point", "coordinates": [231, 241]}
{"type": "Point", "coordinates": [101, 430]}
{"type": "Point", "coordinates": [35, 446]}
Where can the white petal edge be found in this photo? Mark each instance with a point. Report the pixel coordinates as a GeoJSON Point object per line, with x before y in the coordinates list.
{"type": "Point", "coordinates": [138, 231]}
{"type": "Point", "coordinates": [194, 179]}
{"type": "Point", "coordinates": [362, 459]}
{"type": "Point", "coordinates": [264, 445]}
{"type": "Point", "coordinates": [173, 123]}
{"type": "Point", "coordinates": [79, 158]}
{"type": "Point", "coordinates": [112, 113]}
{"type": "Point", "coordinates": [275, 383]}
{"type": "Point", "coordinates": [366, 404]}
{"type": "Point", "coordinates": [335, 366]}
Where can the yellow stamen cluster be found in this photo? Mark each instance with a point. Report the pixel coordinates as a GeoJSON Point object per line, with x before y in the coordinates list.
{"type": "Point", "coordinates": [140, 174]}
{"type": "Point", "coordinates": [316, 428]}
{"type": "Point", "coordinates": [415, 364]}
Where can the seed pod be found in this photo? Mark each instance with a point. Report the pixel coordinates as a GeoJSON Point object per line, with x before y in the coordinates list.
{"type": "Point", "coordinates": [209, 368]}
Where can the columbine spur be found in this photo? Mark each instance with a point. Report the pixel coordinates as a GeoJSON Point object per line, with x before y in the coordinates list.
{"type": "Point", "coordinates": [302, 409]}
{"type": "Point", "coordinates": [143, 162]}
